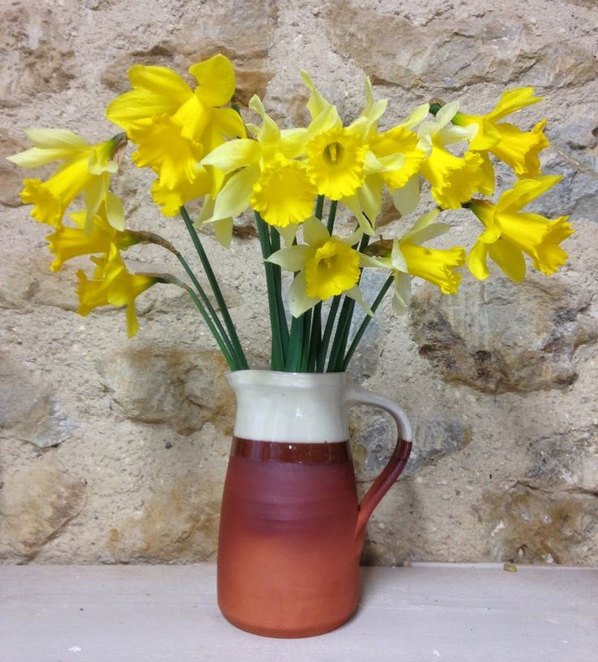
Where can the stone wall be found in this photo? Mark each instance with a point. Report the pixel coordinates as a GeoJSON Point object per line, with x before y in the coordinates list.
{"type": "Point", "coordinates": [114, 450]}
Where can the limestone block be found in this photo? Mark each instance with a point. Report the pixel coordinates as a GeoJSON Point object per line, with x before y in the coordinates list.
{"type": "Point", "coordinates": [27, 406]}
{"type": "Point", "coordinates": [500, 337]}
{"type": "Point", "coordinates": [441, 51]}
{"type": "Point", "coordinates": [374, 440]}
{"type": "Point", "coordinates": [36, 502]}
{"type": "Point", "coordinates": [180, 522]}
{"type": "Point", "coordinates": [532, 525]}
{"type": "Point", "coordinates": [182, 388]}
{"type": "Point", "coordinates": [10, 177]}
{"type": "Point", "coordinates": [35, 52]}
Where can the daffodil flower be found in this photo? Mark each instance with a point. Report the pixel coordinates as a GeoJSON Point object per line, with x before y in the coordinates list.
{"type": "Point", "coordinates": [395, 158]}
{"type": "Point", "coordinates": [113, 285]}
{"type": "Point", "coordinates": [86, 169]}
{"type": "Point", "coordinates": [68, 242]}
{"type": "Point", "coordinates": [453, 179]}
{"type": "Point", "coordinates": [339, 159]}
{"type": "Point", "coordinates": [325, 266]}
{"type": "Point", "coordinates": [510, 233]}
{"type": "Point", "coordinates": [406, 258]}
{"type": "Point", "coordinates": [263, 174]}
{"type": "Point", "coordinates": [518, 149]}
{"type": "Point", "coordinates": [175, 125]}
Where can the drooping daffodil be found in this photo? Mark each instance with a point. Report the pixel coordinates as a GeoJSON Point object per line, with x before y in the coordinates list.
{"type": "Point", "coordinates": [324, 266]}
{"type": "Point", "coordinates": [71, 241]}
{"type": "Point", "coordinates": [518, 149]}
{"type": "Point", "coordinates": [113, 285]}
{"type": "Point", "coordinates": [406, 258]}
{"type": "Point", "coordinates": [511, 233]}
{"type": "Point", "coordinates": [86, 169]}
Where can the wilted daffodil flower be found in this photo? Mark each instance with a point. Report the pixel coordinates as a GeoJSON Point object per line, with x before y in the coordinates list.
{"type": "Point", "coordinates": [290, 183]}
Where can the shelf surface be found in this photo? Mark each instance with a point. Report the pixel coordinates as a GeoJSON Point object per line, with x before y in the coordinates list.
{"type": "Point", "coordinates": [454, 613]}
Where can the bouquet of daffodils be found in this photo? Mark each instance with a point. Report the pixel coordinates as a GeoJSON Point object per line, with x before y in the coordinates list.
{"type": "Point", "coordinates": [211, 166]}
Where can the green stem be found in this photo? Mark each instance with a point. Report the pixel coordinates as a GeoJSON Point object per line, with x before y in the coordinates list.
{"type": "Point", "coordinates": [319, 207]}
{"type": "Point", "coordinates": [293, 362]}
{"type": "Point", "coordinates": [315, 338]}
{"type": "Point", "coordinates": [341, 335]}
{"type": "Point", "coordinates": [230, 326]}
{"type": "Point", "coordinates": [339, 344]}
{"type": "Point", "coordinates": [228, 357]}
{"type": "Point", "coordinates": [152, 238]}
{"type": "Point", "coordinates": [366, 321]}
{"type": "Point", "coordinates": [323, 351]}
{"type": "Point", "coordinates": [332, 215]}
{"type": "Point", "coordinates": [277, 361]}
{"type": "Point", "coordinates": [277, 273]}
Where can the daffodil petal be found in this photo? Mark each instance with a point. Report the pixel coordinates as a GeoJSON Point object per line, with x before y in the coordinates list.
{"type": "Point", "coordinates": [216, 78]}
{"type": "Point", "coordinates": [402, 293]}
{"type": "Point", "coordinates": [299, 302]}
{"type": "Point", "coordinates": [315, 232]}
{"type": "Point", "coordinates": [231, 156]}
{"type": "Point", "coordinates": [55, 139]}
{"type": "Point", "coordinates": [476, 260]}
{"type": "Point", "coordinates": [37, 157]}
{"type": "Point", "coordinates": [406, 198]}
{"type": "Point", "coordinates": [292, 258]}
{"type": "Point", "coordinates": [233, 198]}
{"type": "Point", "coordinates": [223, 231]}
{"type": "Point", "coordinates": [355, 294]}
{"type": "Point", "coordinates": [509, 258]}
{"type": "Point", "coordinates": [115, 212]}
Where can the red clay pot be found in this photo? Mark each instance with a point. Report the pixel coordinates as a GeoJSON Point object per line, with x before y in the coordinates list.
{"type": "Point", "coordinates": [292, 529]}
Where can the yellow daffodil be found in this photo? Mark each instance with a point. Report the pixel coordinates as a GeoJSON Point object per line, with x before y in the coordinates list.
{"type": "Point", "coordinates": [325, 266]}
{"type": "Point", "coordinates": [68, 242]}
{"type": "Point", "coordinates": [340, 159]}
{"type": "Point", "coordinates": [395, 159]}
{"type": "Point", "coordinates": [113, 285]}
{"type": "Point", "coordinates": [406, 258]}
{"type": "Point", "coordinates": [86, 169]}
{"type": "Point", "coordinates": [175, 125]}
{"type": "Point", "coordinates": [263, 174]}
{"type": "Point", "coordinates": [453, 179]}
{"type": "Point", "coordinates": [518, 149]}
{"type": "Point", "coordinates": [510, 233]}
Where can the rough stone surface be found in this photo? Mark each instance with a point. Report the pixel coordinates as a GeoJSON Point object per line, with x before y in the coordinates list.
{"type": "Point", "coordinates": [36, 503]}
{"type": "Point", "coordinates": [498, 337]}
{"type": "Point", "coordinates": [115, 450]}
{"type": "Point", "coordinates": [178, 388]}
{"type": "Point", "coordinates": [27, 408]}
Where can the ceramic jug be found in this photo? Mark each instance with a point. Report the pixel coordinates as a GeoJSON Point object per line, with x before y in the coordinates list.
{"type": "Point", "coordinates": [292, 527]}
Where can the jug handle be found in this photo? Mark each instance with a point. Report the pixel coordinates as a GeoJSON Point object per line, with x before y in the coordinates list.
{"type": "Point", "coordinates": [395, 465]}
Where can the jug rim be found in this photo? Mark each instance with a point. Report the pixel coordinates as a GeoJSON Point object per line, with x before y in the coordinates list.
{"type": "Point", "coordinates": [265, 377]}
